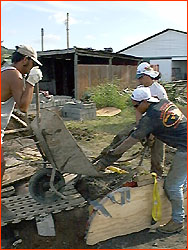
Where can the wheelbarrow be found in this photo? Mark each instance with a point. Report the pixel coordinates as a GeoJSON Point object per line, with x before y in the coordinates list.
{"type": "Point", "coordinates": [61, 151]}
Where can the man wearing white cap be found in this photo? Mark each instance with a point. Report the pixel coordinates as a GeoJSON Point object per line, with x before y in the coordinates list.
{"type": "Point", "coordinates": [148, 77]}
{"type": "Point", "coordinates": [17, 90]}
{"type": "Point", "coordinates": [166, 122]}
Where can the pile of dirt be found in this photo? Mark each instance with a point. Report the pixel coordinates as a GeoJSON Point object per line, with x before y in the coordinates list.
{"type": "Point", "coordinates": [93, 188]}
{"type": "Point", "coordinates": [81, 134]}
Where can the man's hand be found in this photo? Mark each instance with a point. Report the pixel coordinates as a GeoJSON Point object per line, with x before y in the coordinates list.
{"type": "Point", "coordinates": [35, 75]}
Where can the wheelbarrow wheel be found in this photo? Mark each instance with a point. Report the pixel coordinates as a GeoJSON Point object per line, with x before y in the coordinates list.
{"type": "Point", "coordinates": [39, 186]}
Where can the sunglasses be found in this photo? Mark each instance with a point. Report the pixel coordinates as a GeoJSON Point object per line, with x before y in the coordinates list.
{"type": "Point", "coordinates": [34, 63]}
{"type": "Point", "coordinates": [136, 105]}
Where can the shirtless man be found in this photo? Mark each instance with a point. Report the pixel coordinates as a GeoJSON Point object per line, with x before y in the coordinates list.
{"type": "Point", "coordinates": [17, 85]}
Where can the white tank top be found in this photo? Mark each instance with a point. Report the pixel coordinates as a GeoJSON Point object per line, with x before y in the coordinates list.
{"type": "Point", "coordinates": [7, 107]}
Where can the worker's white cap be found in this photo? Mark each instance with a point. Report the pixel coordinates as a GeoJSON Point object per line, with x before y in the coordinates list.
{"type": "Point", "coordinates": [145, 69]}
{"type": "Point", "coordinates": [28, 51]}
{"type": "Point", "coordinates": [143, 93]}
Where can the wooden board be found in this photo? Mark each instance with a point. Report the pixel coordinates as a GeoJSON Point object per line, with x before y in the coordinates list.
{"type": "Point", "coordinates": [133, 216]}
{"type": "Point", "coordinates": [17, 173]}
{"type": "Point", "coordinates": [108, 111]}
{"type": "Point", "coordinates": [63, 148]}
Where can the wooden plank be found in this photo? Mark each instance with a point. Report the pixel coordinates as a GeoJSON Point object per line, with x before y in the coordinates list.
{"type": "Point", "coordinates": [12, 131]}
{"type": "Point", "coordinates": [16, 174]}
{"type": "Point", "coordinates": [19, 120]}
{"type": "Point", "coordinates": [132, 217]}
{"type": "Point", "coordinates": [67, 155]}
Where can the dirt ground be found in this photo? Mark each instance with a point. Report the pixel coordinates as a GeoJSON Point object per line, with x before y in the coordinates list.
{"type": "Point", "coordinates": [70, 232]}
{"type": "Point", "coordinates": [70, 226]}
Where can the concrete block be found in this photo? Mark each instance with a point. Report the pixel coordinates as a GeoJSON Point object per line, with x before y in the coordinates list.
{"type": "Point", "coordinates": [79, 111]}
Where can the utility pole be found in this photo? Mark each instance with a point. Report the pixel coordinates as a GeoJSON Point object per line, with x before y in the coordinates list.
{"type": "Point", "coordinates": [67, 29]}
{"type": "Point", "coordinates": [42, 40]}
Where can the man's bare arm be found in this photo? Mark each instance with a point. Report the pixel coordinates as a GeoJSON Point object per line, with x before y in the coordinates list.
{"type": "Point", "coordinates": [22, 95]}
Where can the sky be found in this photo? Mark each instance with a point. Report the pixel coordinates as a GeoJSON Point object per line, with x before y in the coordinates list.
{"type": "Point", "coordinates": [92, 24]}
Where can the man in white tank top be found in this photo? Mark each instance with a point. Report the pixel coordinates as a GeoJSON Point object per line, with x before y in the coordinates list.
{"type": "Point", "coordinates": [16, 90]}
{"type": "Point", "coordinates": [148, 77]}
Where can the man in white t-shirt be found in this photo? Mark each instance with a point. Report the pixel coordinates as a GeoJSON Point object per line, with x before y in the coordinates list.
{"type": "Point", "coordinates": [148, 77]}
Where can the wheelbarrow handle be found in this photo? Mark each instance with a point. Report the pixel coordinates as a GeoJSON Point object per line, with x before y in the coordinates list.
{"type": "Point", "coordinates": [37, 103]}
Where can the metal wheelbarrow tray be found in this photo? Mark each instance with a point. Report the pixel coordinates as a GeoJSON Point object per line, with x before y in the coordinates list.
{"type": "Point", "coordinates": [62, 152]}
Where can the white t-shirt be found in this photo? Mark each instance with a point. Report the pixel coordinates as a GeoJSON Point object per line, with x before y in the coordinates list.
{"type": "Point", "coordinates": [158, 90]}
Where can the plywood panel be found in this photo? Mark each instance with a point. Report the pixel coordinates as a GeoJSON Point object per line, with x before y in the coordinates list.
{"type": "Point", "coordinates": [134, 216]}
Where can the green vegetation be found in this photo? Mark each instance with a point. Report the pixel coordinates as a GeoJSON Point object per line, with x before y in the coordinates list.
{"type": "Point", "coordinates": [106, 94]}
{"type": "Point", "coordinates": [109, 94]}
{"type": "Point", "coordinates": [6, 53]}
{"type": "Point", "coordinates": [105, 125]}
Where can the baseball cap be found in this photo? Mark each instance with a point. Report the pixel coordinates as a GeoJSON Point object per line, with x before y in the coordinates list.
{"type": "Point", "coordinates": [145, 69]}
{"type": "Point", "coordinates": [143, 93]}
{"type": "Point", "coordinates": [28, 51]}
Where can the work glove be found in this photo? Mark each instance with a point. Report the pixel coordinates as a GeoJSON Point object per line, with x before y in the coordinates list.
{"type": "Point", "coordinates": [35, 75]}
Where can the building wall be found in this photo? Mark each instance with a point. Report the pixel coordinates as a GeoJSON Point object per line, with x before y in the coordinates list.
{"type": "Point", "coordinates": [171, 44]}
{"type": "Point", "coordinates": [92, 75]}
{"type": "Point", "coordinates": [165, 67]}
{"type": "Point", "coordinates": [168, 44]}
{"type": "Point", "coordinates": [171, 70]}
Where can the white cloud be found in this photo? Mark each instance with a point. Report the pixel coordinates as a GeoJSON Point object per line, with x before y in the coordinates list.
{"type": "Point", "coordinates": [51, 37]}
{"type": "Point", "coordinates": [105, 35]}
{"type": "Point", "coordinates": [74, 6]}
{"type": "Point", "coordinates": [46, 6]}
{"type": "Point", "coordinates": [90, 37]}
{"type": "Point", "coordinates": [174, 12]}
{"type": "Point", "coordinates": [128, 40]}
{"type": "Point", "coordinates": [61, 18]}
{"type": "Point", "coordinates": [3, 3]}
{"type": "Point", "coordinates": [12, 32]}
{"type": "Point", "coordinates": [51, 41]}
{"type": "Point", "coordinates": [48, 38]}
{"type": "Point", "coordinates": [31, 6]}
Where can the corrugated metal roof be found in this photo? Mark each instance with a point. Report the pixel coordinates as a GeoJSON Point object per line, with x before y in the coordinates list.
{"type": "Point", "coordinates": [86, 52]}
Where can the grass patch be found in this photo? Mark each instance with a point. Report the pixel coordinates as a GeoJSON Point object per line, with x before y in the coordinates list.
{"type": "Point", "coordinates": [94, 135]}
{"type": "Point", "coordinates": [105, 125]}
